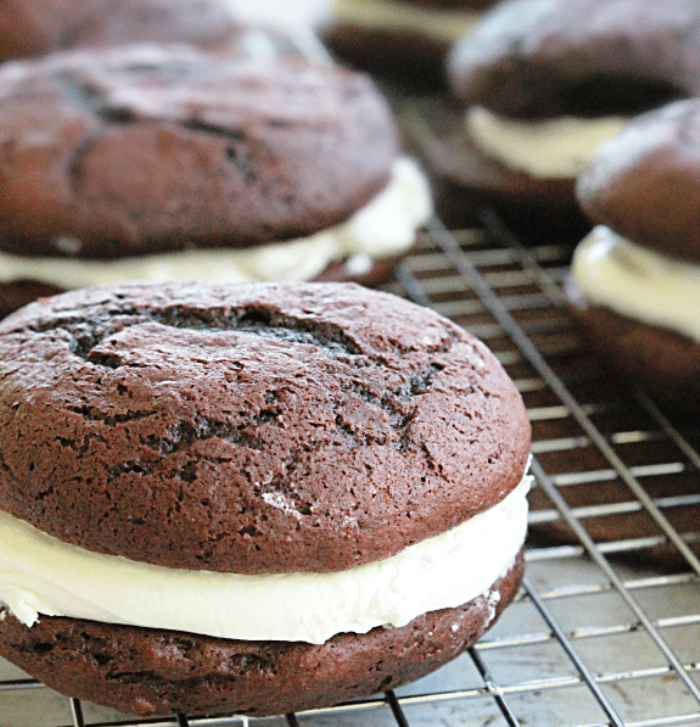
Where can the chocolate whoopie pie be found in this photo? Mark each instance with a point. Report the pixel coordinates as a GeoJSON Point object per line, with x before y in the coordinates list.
{"type": "Point", "coordinates": [407, 40]}
{"type": "Point", "coordinates": [557, 78]}
{"type": "Point", "coordinates": [36, 27]}
{"type": "Point", "coordinates": [634, 287]}
{"type": "Point", "coordinates": [224, 495]}
{"type": "Point", "coordinates": [164, 162]}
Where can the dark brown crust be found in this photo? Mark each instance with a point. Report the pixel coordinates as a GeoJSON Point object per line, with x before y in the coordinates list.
{"type": "Point", "coordinates": [416, 60]}
{"type": "Point", "coordinates": [19, 293]}
{"type": "Point", "coordinates": [645, 183]}
{"type": "Point", "coordinates": [251, 428]}
{"type": "Point", "coordinates": [161, 672]}
{"type": "Point", "coordinates": [531, 59]}
{"type": "Point", "coordinates": [664, 363]}
{"type": "Point", "coordinates": [36, 27]}
{"type": "Point", "coordinates": [156, 148]}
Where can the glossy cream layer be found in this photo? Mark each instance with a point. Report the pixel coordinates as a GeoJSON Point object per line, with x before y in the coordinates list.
{"type": "Point", "coordinates": [441, 24]}
{"type": "Point", "coordinates": [386, 226]}
{"type": "Point", "coordinates": [41, 575]}
{"type": "Point", "coordinates": [552, 148]}
{"type": "Point", "coordinates": [638, 283]}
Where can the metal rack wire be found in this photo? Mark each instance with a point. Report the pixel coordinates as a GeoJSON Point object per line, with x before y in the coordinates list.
{"type": "Point", "coordinates": [606, 629]}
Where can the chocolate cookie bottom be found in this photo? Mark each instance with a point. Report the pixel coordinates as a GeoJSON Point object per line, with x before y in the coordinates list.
{"type": "Point", "coordinates": [149, 671]}
{"type": "Point", "coordinates": [416, 60]}
{"type": "Point", "coordinates": [664, 363]}
{"type": "Point", "coordinates": [466, 182]}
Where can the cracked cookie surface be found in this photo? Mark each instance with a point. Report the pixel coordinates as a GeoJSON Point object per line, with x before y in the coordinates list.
{"type": "Point", "coordinates": [251, 428]}
{"type": "Point", "coordinates": [148, 149]}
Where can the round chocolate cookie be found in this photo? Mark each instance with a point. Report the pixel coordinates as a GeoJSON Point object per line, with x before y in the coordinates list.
{"type": "Point", "coordinates": [239, 450]}
{"type": "Point", "coordinates": [125, 164]}
{"type": "Point", "coordinates": [406, 40]}
{"type": "Point", "coordinates": [557, 78]}
{"type": "Point", "coordinates": [635, 286]}
{"type": "Point", "coordinates": [43, 26]}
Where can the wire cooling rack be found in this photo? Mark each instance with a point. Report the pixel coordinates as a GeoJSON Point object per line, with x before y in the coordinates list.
{"type": "Point", "coordinates": [606, 628]}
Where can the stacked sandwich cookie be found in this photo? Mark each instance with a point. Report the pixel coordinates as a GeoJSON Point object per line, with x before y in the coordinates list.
{"type": "Point", "coordinates": [255, 498]}
{"type": "Point", "coordinates": [634, 286]}
{"type": "Point", "coordinates": [162, 162]}
{"type": "Point", "coordinates": [543, 84]}
{"type": "Point", "coordinates": [634, 291]}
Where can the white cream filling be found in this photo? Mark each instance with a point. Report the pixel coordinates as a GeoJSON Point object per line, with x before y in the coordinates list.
{"type": "Point", "coordinates": [442, 24]}
{"type": "Point", "coordinates": [551, 148]}
{"type": "Point", "coordinates": [292, 14]}
{"type": "Point", "coordinates": [638, 283]}
{"type": "Point", "coordinates": [386, 226]}
{"type": "Point", "coordinates": [42, 575]}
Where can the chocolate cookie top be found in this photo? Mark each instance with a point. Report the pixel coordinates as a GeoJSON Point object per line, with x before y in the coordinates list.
{"type": "Point", "coordinates": [645, 182]}
{"type": "Point", "coordinates": [35, 27]}
{"type": "Point", "coordinates": [539, 58]}
{"type": "Point", "coordinates": [251, 428]}
{"type": "Point", "coordinates": [152, 148]}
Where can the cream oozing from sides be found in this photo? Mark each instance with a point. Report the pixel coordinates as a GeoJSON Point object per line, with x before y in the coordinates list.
{"type": "Point", "coordinates": [386, 226]}
{"type": "Point", "coordinates": [638, 283]}
{"type": "Point", "coordinates": [42, 575]}
{"type": "Point", "coordinates": [548, 149]}
{"type": "Point", "coordinates": [442, 24]}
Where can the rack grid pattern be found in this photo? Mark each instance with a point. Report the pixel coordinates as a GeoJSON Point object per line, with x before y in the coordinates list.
{"type": "Point", "coordinates": [606, 629]}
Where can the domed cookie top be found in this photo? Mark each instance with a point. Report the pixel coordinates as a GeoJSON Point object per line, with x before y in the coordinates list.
{"type": "Point", "coordinates": [645, 182]}
{"type": "Point", "coordinates": [251, 428]}
{"type": "Point", "coordinates": [35, 27]}
{"type": "Point", "coordinates": [156, 148]}
{"type": "Point", "coordinates": [535, 58]}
